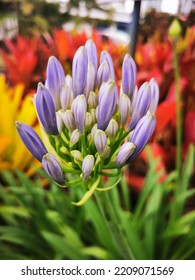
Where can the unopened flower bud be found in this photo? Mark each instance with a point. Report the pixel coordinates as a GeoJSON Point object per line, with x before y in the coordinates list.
{"type": "Point", "coordinates": [31, 140]}
{"type": "Point", "coordinates": [125, 108]}
{"type": "Point", "coordinates": [142, 133]}
{"type": "Point", "coordinates": [128, 75]}
{"type": "Point", "coordinates": [87, 166]}
{"type": "Point", "coordinates": [175, 29]}
{"type": "Point", "coordinates": [74, 137]}
{"type": "Point", "coordinates": [77, 155]}
{"type": "Point", "coordinates": [79, 111]}
{"type": "Point", "coordinates": [107, 103]}
{"type": "Point", "coordinates": [112, 129]}
{"type": "Point", "coordinates": [46, 110]}
{"type": "Point", "coordinates": [66, 97]}
{"type": "Point", "coordinates": [68, 119]}
{"type": "Point", "coordinates": [141, 106]}
{"type": "Point", "coordinates": [92, 53]}
{"type": "Point", "coordinates": [55, 80]}
{"type": "Point", "coordinates": [79, 71]}
{"type": "Point", "coordinates": [100, 141]}
{"type": "Point", "coordinates": [92, 100]}
{"type": "Point", "coordinates": [154, 96]}
{"type": "Point", "coordinates": [59, 120]}
{"type": "Point", "coordinates": [52, 168]}
{"type": "Point", "coordinates": [105, 56]}
{"type": "Point", "coordinates": [124, 153]}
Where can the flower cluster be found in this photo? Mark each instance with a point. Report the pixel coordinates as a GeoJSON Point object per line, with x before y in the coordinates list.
{"type": "Point", "coordinates": [88, 127]}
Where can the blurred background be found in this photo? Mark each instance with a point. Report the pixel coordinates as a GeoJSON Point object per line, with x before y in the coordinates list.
{"type": "Point", "coordinates": [33, 30]}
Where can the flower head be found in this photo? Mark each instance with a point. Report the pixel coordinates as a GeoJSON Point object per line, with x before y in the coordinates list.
{"type": "Point", "coordinates": [87, 132]}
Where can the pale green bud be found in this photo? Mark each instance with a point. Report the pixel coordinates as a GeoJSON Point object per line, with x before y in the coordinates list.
{"type": "Point", "coordinates": [74, 137]}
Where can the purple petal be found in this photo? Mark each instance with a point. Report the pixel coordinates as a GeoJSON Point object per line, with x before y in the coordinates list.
{"type": "Point", "coordinates": [128, 75]}
{"type": "Point", "coordinates": [79, 71]}
{"type": "Point", "coordinates": [31, 140]}
{"type": "Point", "coordinates": [46, 110]}
{"type": "Point", "coordinates": [55, 80]}
{"type": "Point", "coordinates": [52, 168]}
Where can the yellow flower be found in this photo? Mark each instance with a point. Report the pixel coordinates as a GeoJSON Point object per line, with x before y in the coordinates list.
{"type": "Point", "coordinates": [13, 154]}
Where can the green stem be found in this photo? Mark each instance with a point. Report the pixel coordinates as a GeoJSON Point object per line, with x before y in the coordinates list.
{"type": "Point", "coordinates": [178, 110]}
{"type": "Point", "coordinates": [113, 225]}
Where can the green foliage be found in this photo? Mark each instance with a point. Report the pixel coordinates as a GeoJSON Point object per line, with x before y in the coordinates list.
{"type": "Point", "coordinates": [38, 223]}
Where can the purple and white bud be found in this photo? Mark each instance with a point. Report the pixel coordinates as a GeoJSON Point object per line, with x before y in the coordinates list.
{"type": "Point", "coordinates": [79, 71]}
{"type": "Point", "coordinates": [55, 80]}
{"type": "Point", "coordinates": [90, 81]}
{"type": "Point", "coordinates": [112, 129]}
{"type": "Point", "coordinates": [103, 73]}
{"type": "Point", "coordinates": [74, 137]}
{"type": "Point", "coordinates": [105, 56]}
{"type": "Point", "coordinates": [79, 111]}
{"type": "Point", "coordinates": [53, 168]}
{"type": "Point", "coordinates": [92, 100]}
{"type": "Point", "coordinates": [92, 53]}
{"type": "Point", "coordinates": [154, 96]}
{"type": "Point", "coordinates": [68, 81]}
{"type": "Point", "coordinates": [31, 140]}
{"type": "Point", "coordinates": [100, 141]}
{"type": "Point", "coordinates": [87, 166]}
{"type": "Point", "coordinates": [93, 131]}
{"type": "Point", "coordinates": [68, 119]}
{"type": "Point", "coordinates": [124, 153]}
{"type": "Point", "coordinates": [142, 133]}
{"type": "Point", "coordinates": [128, 75]}
{"type": "Point", "coordinates": [46, 110]}
{"type": "Point", "coordinates": [141, 106]}
{"type": "Point", "coordinates": [66, 97]}
{"type": "Point", "coordinates": [60, 122]}
{"type": "Point", "coordinates": [125, 108]}
{"type": "Point", "coordinates": [107, 102]}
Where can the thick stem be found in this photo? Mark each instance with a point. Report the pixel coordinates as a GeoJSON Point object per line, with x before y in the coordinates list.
{"type": "Point", "coordinates": [113, 225]}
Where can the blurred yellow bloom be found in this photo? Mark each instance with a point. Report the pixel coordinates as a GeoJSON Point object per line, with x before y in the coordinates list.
{"type": "Point", "coordinates": [13, 154]}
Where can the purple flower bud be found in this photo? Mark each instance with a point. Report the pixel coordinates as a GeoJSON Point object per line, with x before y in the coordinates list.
{"type": "Point", "coordinates": [154, 95]}
{"type": "Point", "coordinates": [55, 80]}
{"type": "Point", "coordinates": [124, 153]}
{"type": "Point", "coordinates": [68, 119]}
{"type": "Point", "coordinates": [31, 140]}
{"type": "Point", "coordinates": [92, 53]}
{"type": "Point", "coordinates": [142, 133]}
{"type": "Point", "coordinates": [103, 74]}
{"type": "Point", "coordinates": [66, 97]}
{"type": "Point", "coordinates": [108, 95]}
{"type": "Point", "coordinates": [87, 166]}
{"type": "Point", "coordinates": [125, 108]}
{"type": "Point", "coordinates": [128, 75]}
{"type": "Point", "coordinates": [112, 129]}
{"type": "Point", "coordinates": [59, 121]}
{"type": "Point", "coordinates": [79, 71]}
{"type": "Point", "coordinates": [100, 141]}
{"type": "Point", "coordinates": [79, 111]}
{"type": "Point", "coordinates": [91, 79]}
{"type": "Point", "coordinates": [105, 56]}
{"type": "Point", "coordinates": [52, 168]}
{"type": "Point", "coordinates": [68, 80]}
{"type": "Point", "coordinates": [46, 110]}
{"type": "Point", "coordinates": [141, 105]}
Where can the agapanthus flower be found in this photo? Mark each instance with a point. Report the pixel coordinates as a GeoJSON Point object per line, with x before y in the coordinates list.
{"type": "Point", "coordinates": [89, 126]}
